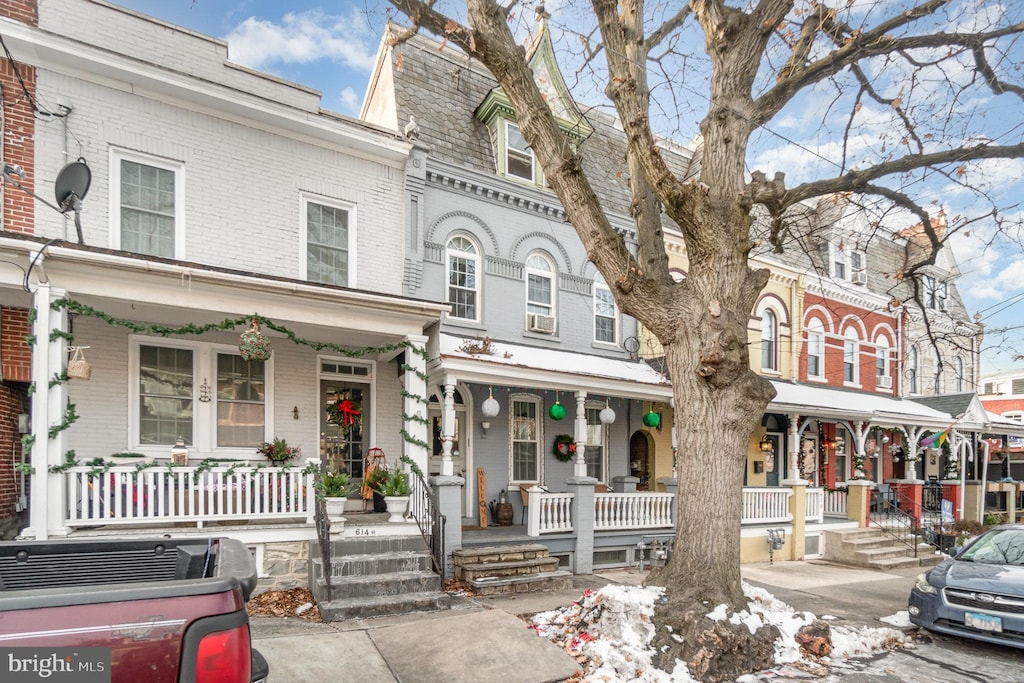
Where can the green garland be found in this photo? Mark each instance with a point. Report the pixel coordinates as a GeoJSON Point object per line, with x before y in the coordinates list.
{"type": "Point", "coordinates": [70, 416]}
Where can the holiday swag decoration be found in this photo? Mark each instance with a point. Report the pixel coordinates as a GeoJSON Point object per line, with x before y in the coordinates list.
{"type": "Point", "coordinates": [253, 345]}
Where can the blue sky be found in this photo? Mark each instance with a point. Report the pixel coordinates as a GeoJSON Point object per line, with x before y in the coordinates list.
{"type": "Point", "coordinates": [330, 46]}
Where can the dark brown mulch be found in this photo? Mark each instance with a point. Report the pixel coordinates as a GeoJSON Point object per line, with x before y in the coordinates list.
{"type": "Point", "coordinates": [286, 603]}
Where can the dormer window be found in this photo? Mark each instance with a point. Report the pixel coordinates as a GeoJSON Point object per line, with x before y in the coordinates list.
{"type": "Point", "coordinates": [518, 155]}
{"type": "Point", "coordinates": [849, 264]}
{"type": "Point", "coordinates": [935, 293]}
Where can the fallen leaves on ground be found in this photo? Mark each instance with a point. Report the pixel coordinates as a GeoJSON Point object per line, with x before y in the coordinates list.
{"type": "Point", "coordinates": [294, 602]}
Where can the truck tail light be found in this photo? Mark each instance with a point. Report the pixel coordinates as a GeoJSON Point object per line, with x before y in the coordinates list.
{"type": "Point", "coordinates": [224, 657]}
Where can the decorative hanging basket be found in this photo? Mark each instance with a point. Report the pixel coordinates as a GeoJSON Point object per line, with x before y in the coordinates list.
{"type": "Point", "coordinates": [78, 366]}
{"type": "Point", "coordinates": [253, 345]}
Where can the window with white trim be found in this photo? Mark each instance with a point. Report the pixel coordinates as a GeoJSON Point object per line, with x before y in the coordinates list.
{"type": "Point", "coordinates": [848, 264]}
{"type": "Point", "coordinates": [961, 378]}
{"type": "Point", "coordinates": [525, 438]}
{"type": "Point", "coordinates": [606, 313]}
{"type": "Point", "coordinates": [327, 239]}
{"type": "Point", "coordinates": [850, 353]}
{"type": "Point", "coordinates": [769, 341]}
{"type": "Point", "coordinates": [540, 288]}
{"type": "Point", "coordinates": [594, 450]}
{"type": "Point", "coordinates": [913, 369]}
{"type": "Point", "coordinates": [935, 293]}
{"type": "Point", "coordinates": [815, 349]}
{"type": "Point", "coordinates": [883, 378]}
{"type": "Point", "coordinates": [204, 393]}
{"type": "Point", "coordinates": [518, 155]}
{"type": "Point", "coordinates": [147, 197]}
{"type": "Point", "coordinates": [463, 259]}
{"type": "Point", "coordinates": [842, 458]}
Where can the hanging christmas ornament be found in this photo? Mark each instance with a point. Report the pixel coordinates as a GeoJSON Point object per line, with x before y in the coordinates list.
{"type": "Point", "coordinates": [490, 407]}
{"type": "Point", "coordinates": [557, 411]}
{"type": "Point", "coordinates": [253, 345]}
{"type": "Point", "coordinates": [652, 419]}
{"type": "Point", "coordinates": [607, 415]}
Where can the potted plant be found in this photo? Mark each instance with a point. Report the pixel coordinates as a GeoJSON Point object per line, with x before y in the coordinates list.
{"type": "Point", "coordinates": [333, 489]}
{"type": "Point", "coordinates": [394, 486]}
{"type": "Point", "coordinates": [278, 451]}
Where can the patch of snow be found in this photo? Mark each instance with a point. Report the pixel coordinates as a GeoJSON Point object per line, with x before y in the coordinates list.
{"type": "Point", "coordinates": [900, 620]}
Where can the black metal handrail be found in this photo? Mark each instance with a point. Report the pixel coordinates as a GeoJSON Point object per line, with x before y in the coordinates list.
{"type": "Point", "coordinates": [892, 513]}
{"type": "Point", "coordinates": [429, 519]}
{"type": "Point", "coordinates": [323, 531]}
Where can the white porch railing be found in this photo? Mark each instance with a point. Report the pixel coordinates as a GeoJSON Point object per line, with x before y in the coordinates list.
{"type": "Point", "coordinates": [124, 495]}
{"type": "Point", "coordinates": [815, 505]}
{"type": "Point", "coordinates": [641, 510]}
{"type": "Point", "coordinates": [766, 504]}
{"type": "Point", "coordinates": [549, 513]}
{"type": "Point", "coordinates": [835, 503]}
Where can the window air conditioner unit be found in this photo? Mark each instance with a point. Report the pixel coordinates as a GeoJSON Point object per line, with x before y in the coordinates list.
{"type": "Point", "coordinates": [884, 381]}
{"type": "Point", "coordinates": [859, 277]}
{"type": "Point", "coordinates": [545, 324]}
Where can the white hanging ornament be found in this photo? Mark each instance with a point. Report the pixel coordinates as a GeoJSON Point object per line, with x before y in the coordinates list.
{"type": "Point", "coordinates": [490, 406]}
{"type": "Point", "coordinates": [607, 415]}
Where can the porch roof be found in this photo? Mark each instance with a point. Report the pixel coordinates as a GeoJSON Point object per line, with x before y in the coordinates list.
{"type": "Point", "coordinates": [1004, 425]}
{"type": "Point", "coordinates": [827, 402]}
{"type": "Point", "coordinates": [552, 369]}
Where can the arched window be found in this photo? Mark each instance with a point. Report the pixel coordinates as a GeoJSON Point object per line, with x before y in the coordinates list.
{"type": "Point", "coordinates": [769, 341]}
{"type": "Point", "coordinates": [463, 294]}
{"type": "Point", "coordinates": [540, 294]}
{"type": "Point", "coordinates": [815, 349]}
{"type": "Point", "coordinates": [913, 370]}
{"type": "Point", "coordinates": [850, 354]}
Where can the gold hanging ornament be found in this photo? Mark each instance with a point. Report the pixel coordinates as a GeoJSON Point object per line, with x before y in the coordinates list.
{"type": "Point", "coordinates": [253, 345]}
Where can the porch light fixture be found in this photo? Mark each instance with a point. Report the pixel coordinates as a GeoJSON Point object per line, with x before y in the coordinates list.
{"type": "Point", "coordinates": [490, 407]}
{"type": "Point", "coordinates": [485, 425]}
{"type": "Point", "coordinates": [766, 444]}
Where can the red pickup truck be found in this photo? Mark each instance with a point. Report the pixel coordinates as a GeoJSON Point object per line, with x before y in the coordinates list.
{"type": "Point", "coordinates": [158, 610]}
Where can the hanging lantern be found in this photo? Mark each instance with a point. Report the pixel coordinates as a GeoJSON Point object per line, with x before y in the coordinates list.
{"type": "Point", "coordinates": [607, 415]}
{"type": "Point", "coordinates": [253, 345]}
{"type": "Point", "coordinates": [490, 407]}
{"type": "Point", "coordinates": [652, 419]}
{"type": "Point", "coordinates": [557, 411]}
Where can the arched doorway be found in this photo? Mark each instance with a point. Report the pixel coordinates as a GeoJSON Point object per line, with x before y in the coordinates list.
{"type": "Point", "coordinates": [640, 460]}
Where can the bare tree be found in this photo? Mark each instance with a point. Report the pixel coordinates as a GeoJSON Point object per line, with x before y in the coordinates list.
{"type": "Point", "coordinates": [919, 63]}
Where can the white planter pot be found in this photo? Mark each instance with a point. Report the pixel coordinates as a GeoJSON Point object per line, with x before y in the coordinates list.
{"type": "Point", "coordinates": [335, 506]}
{"type": "Point", "coordinates": [397, 507]}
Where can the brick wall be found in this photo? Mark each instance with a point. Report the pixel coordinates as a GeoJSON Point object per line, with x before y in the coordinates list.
{"type": "Point", "coordinates": [25, 11]}
{"type": "Point", "coordinates": [18, 142]}
{"type": "Point", "coordinates": [15, 353]}
{"type": "Point", "coordinates": [13, 401]}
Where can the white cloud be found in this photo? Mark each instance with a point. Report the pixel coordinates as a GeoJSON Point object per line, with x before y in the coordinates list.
{"type": "Point", "coordinates": [349, 98]}
{"type": "Point", "coordinates": [301, 38]}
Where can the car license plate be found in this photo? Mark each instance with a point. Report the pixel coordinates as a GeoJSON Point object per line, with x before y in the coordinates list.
{"type": "Point", "coordinates": [983, 622]}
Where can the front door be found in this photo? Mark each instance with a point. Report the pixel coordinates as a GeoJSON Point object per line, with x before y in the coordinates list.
{"type": "Point", "coordinates": [639, 460]}
{"type": "Point", "coordinates": [344, 445]}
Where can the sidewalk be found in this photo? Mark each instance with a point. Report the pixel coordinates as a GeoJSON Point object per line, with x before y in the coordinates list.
{"type": "Point", "coordinates": [483, 639]}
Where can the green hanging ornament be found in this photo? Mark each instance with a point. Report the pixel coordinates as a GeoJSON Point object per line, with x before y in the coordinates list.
{"type": "Point", "coordinates": [557, 411]}
{"type": "Point", "coordinates": [253, 345]}
{"type": "Point", "coordinates": [652, 419]}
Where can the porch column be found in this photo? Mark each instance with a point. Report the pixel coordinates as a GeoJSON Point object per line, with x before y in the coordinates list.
{"type": "Point", "coordinates": [798, 509]}
{"type": "Point", "coordinates": [447, 492]}
{"type": "Point", "coordinates": [911, 451]}
{"type": "Point", "coordinates": [447, 429]}
{"type": "Point", "coordinates": [414, 401]}
{"type": "Point", "coordinates": [580, 466]}
{"type": "Point", "coordinates": [794, 450]}
{"type": "Point", "coordinates": [860, 433]}
{"type": "Point", "coordinates": [46, 502]}
{"type": "Point", "coordinates": [858, 500]}
{"type": "Point", "coordinates": [582, 489]}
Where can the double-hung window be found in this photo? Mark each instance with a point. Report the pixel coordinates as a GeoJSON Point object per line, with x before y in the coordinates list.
{"type": "Point", "coordinates": [518, 155]}
{"type": "Point", "coordinates": [328, 242]}
{"type": "Point", "coordinates": [815, 349]}
{"type": "Point", "coordinates": [883, 379]}
{"type": "Point", "coordinates": [525, 441]}
{"type": "Point", "coordinates": [593, 452]}
{"type": "Point", "coordinates": [463, 259]}
{"type": "Point", "coordinates": [769, 341]}
{"type": "Point", "coordinates": [935, 293]}
{"type": "Point", "coordinates": [540, 294]}
{"type": "Point", "coordinates": [850, 354]}
{"type": "Point", "coordinates": [606, 315]}
{"type": "Point", "coordinates": [206, 394]}
{"type": "Point", "coordinates": [913, 370]}
{"type": "Point", "coordinates": [147, 198]}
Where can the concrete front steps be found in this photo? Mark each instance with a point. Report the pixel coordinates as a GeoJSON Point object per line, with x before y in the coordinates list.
{"type": "Point", "coordinates": [374, 577]}
{"type": "Point", "coordinates": [510, 569]}
{"type": "Point", "coordinates": [871, 547]}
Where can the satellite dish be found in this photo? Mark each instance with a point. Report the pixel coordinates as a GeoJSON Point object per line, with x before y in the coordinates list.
{"type": "Point", "coordinates": [71, 186]}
